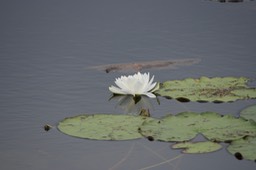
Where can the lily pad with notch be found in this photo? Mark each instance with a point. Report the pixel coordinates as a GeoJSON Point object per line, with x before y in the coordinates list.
{"type": "Point", "coordinates": [204, 89]}
{"type": "Point", "coordinates": [103, 126]}
{"type": "Point", "coordinates": [244, 148]}
{"type": "Point", "coordinates": [186, 125]}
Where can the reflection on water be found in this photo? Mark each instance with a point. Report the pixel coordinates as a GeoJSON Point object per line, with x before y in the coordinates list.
{"type": "Point", "coordinates": [140, 105]}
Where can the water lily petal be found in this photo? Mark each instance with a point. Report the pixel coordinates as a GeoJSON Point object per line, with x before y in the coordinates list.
{"type": "Point", "coordinates": [121, 84]}
{"type": "Point", "coordinates": [144, 81]}
{"type": "Point", "coordinates": [151, 87]}
{"type": "Point", "coordinates": [116, 90]}
{"type": "Point", "coordinates": [151, 95]}
{"type": "Point", "coordinates": [157, 86]}
{"type": "Point", "coordinates": [138, 87]}
{"type": "Point", "coordinates": [151, 80]}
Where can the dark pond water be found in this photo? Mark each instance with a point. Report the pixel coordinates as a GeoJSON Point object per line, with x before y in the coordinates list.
{"type": "Point", "coordinates": [46, 48]}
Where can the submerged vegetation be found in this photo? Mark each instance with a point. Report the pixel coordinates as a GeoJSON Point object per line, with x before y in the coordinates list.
{"type": "Point", "coordinates": [144, 65]}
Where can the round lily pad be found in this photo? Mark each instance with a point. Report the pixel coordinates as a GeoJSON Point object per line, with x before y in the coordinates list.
{"type": "Point", "coordinates": [103, 126]}
{"type": "Point", "coordinates": [197, 147]}
{"type": "Point", "coordinates": [244, 148]}
{"type": "Point", "coordinates": [249, 113]}
{"type": "Point", "coordinates": [185, 126]}
{"type": "Point", "coordinates": [204, 89]}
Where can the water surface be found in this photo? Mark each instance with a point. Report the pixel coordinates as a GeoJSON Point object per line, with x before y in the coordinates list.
{"type": "Point", "coordinates": [46, 49]}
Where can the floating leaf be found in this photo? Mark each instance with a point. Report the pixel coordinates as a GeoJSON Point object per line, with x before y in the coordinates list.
{"type": "Point", "coordinates": [197, 147]}
{"type": "Point", "coordinates": [185, 126]}
{"type": "Point", "coordinates": [172, 128]}
{"type": "Point", "coordinates": [206, 89]}
{"type": "Point", "coordinates": [244, 148]}
{"type": "Point", "coordinates": [218, 127]}
{"type": "Point", "coordinates": [249, 113]}
{"type": "Point", "coordinates": [103, 126]}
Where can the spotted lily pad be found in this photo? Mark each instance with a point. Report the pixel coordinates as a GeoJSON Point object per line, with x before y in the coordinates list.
{"type": "Point", "coordinates": [171, 128]}
{"type": "Point", "coordinates": [218, 127]}
{"type": "Point", "coordinates": [204, 89]}
{"type": "Point", "coordinates": [197, 147]}
{"type": "Point", "coordinates": [103, 126]}
{"type": "Point", "coordinates": [249, 113]}
{"type": "Point", "coordinates": [244, 148]}
{"type": "Point", "coordinates": [185, 126]}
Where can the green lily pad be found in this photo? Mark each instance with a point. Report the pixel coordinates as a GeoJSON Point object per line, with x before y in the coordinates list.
{"type": "Point", "coordinates": [197, 147]}
{"type": "Point", "coordinates": [249, 113]}
{"type": "Point", "coordinates": [218, 127]}
{"type": "Point", "coordinates": [103, 126]}
{"type": "Point", "coordinates": [172, 128]}
{"type": "Point", "coordinates": [204, 89]}
{"type": "Point", "coordinates": [244, 148]}
{"type": "Point", "coordinates": [185, 126]}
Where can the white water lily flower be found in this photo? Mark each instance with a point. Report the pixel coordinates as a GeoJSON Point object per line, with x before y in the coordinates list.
{"type": "Point", "coordinates": [137, 84]}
